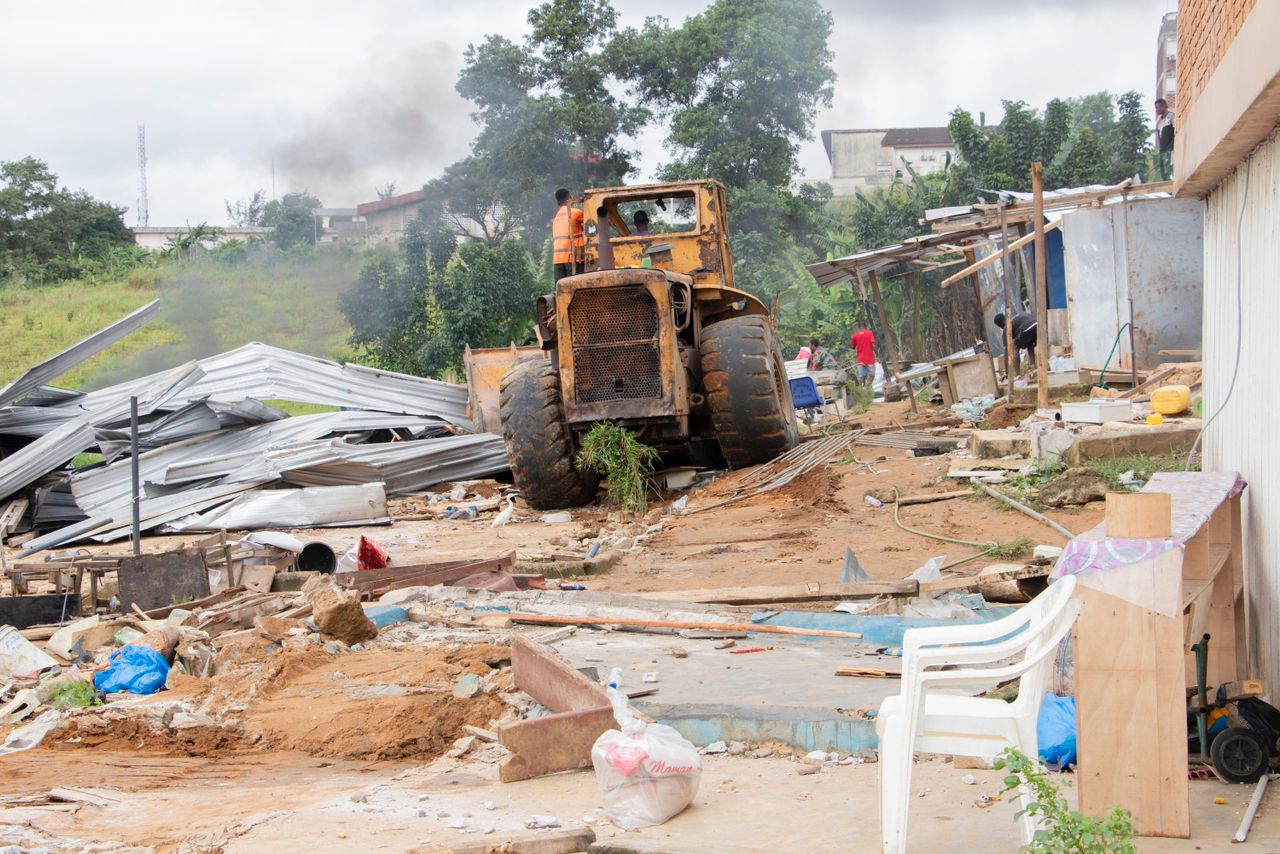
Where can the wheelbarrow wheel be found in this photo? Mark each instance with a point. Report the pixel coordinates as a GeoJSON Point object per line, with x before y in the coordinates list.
{"type": "Point", "coordinates": [1240, 755]}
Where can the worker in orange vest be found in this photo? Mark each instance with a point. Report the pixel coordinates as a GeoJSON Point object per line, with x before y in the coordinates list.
{"type": "Point", "coordinates": [566, 237]}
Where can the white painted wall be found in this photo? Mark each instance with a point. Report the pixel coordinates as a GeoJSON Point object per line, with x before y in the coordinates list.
{"type": "Point", "coordinates": [1245, 437]}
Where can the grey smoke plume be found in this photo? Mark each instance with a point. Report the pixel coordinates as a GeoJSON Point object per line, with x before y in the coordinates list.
{"type": "Point", "coordinates": [398, 123]}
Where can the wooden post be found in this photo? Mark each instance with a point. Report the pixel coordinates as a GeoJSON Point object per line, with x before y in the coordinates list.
{"type": "Point", "coordinates": [970, 257]}
{"type": "Point", "coordinates": [1010, 306]}
{"type": "Point", "coordinates": [888, 337]}
{"type": "Point", "coordinates": [1042, 288]}
{"type": "Point", "coordinates": [915, 316]}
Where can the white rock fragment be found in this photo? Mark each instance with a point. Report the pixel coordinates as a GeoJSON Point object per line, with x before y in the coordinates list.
{"type": "Point", "coordinates": [536, 822]}
{"type": "Point", "coordinates": [816, 757]}
{"type": "Point", "coordinates": [969, 780]}
{"type": "Point", "coordinates": [715, 747]}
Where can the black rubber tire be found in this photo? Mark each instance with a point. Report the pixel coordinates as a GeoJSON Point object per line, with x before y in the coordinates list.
{"type": "Point", "coordinates": [747, 391]}
{"type": "Point", "coordinates": [1240, 755]}
{"type": "Point", "coordinates": [539, 444]}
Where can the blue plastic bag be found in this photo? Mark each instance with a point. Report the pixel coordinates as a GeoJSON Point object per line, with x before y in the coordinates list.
{"type": "Point", "coordinates": [137, 669]}
{"type": "Point", "coordinates": [1056, 731]}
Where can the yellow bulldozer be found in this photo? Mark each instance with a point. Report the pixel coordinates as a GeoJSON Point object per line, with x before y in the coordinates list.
{"type": "Point", "coordinates": [650, 335]}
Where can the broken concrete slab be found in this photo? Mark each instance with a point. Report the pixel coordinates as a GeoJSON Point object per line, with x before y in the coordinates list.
{"type": "Point", "coordinates": [1121, 440]}
{"type": "Point", "coordinates": [994, 444]}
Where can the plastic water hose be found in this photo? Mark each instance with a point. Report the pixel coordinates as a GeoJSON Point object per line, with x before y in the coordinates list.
{"type": "Point", "coordinates": [1102, 377]}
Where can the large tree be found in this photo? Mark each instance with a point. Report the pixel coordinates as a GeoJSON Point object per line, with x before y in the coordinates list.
{"type": "Point", "coordinates": [740, 85]}
{"type": "Point", "coordinates": [291, 220]}
{"type": "Point", "coordinates": [548, 117]}
{"type": "Point", "coordinates": [48, 232]}
{"type": "Point", "coordinates": [1080, 141]}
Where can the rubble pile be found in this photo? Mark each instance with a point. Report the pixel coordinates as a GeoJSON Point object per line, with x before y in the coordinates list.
{"type": "Point", "coordinates": [214, 454]}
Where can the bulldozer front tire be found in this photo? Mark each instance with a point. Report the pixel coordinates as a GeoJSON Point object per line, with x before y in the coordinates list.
{"type": "Point", "coordinates": [539, 443]}
{"type": "Point", "coordinates": [747, 391]}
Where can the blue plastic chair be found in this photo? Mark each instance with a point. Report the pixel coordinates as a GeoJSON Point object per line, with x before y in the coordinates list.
{"type": "Point", "coordinates": [805, 396]}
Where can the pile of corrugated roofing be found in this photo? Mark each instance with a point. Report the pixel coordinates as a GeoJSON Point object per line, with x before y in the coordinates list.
{"type": "Point", "coordinates": [206, 439]}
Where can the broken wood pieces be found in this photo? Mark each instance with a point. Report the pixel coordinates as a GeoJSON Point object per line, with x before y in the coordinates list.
{"type": "Point", "coordinates": [557, 742]}
{"type": "Point", "coordinates": [866, 672]}
{"type": "Point", "coordinates": [763, 628]}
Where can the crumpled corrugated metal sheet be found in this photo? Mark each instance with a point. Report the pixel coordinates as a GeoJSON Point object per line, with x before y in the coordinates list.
{"type": "Point", "coordinates": [62, 443]}
{"type": "Point", "coordinates": [262, 372]}
{"type": "Point", "coordinates": [58, 365]}
{"type": "Point", "coordinates": [320, 507]}
{"type": "Point", "coordinates": [213, 456]}
{"type": "Point", "coordinates": [404, 467]}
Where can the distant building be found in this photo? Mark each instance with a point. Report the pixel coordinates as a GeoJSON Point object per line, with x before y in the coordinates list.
{"type": "Point", "coordinates": [339, 225]}
{"type": "Point", "coordinates": [385, 219]}
{"type": "Point", "coordinates": [157, 237]}
{"type": "Point", "coordinates": [1167, 60]}
{"type": "Point", "coordinates": [874, 157]}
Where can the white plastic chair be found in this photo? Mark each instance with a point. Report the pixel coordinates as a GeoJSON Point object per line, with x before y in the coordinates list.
{"type": "Point", "coordinates": [923, 719]}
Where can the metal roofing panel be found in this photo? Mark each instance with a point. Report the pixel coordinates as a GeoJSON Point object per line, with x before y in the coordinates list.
{"type": "Point", "coordinates": [58, 365]}
{"type": "Point", "coordinates": [321, 507]}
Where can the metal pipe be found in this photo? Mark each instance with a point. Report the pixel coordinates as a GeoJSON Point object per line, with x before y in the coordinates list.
{"type": "Point", "coordinates": [1242, 833]}
{"type": "Point", "coordinates": [133, 469]}
{"type": "Point", "coordinates": [1039, 517]}
{"type": "Point", "coordinates": [1133, 354]}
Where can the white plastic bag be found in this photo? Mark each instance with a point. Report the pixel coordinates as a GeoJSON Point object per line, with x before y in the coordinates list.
{"type": "Point", "coordinates": [647, 772]}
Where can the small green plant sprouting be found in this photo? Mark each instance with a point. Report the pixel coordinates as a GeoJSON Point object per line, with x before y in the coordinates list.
{"type": "Point", "coordinates": [622, 460]}
{"type": "Point", "coordinates": [860, 397]}
{"type": "Point", "coordinates": [1011, 550]}
{"type": "Point", "coordinates": [74, 694]}
{"type": "Point", "coordinates": [1064, 830]}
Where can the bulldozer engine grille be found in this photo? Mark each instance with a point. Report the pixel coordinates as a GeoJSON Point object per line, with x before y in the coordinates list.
{"type": "Point", "coordinates": [615, 345]}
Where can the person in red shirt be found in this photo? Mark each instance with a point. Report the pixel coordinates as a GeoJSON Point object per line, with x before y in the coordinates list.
{"type": "Point", "coordinates": [864, 342]}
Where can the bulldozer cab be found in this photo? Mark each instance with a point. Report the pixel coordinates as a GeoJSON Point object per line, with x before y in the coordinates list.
{"type": "Point", "coordinates": [679, 227]}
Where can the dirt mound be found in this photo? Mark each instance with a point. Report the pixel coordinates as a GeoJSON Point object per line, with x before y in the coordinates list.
{"type": "Point", "coordinates": [373, 704]}
{"type": "Point", "coordinates": [817, 488]}
{"type": "Point", "coordinates": [143, 735]}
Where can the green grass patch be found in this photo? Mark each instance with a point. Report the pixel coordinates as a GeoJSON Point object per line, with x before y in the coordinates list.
{"type": "Point", "coordinates": [622, 460]}
{"type": "Point", "coordinates": [1012, 550]}
{"type": "Point", "coordinates": [294, 408]}
{"type": "Point", "coordinates": [1141, 465]}
{"type": "Point", "coordinates": [84, 459]}
{"type": "Point", "coordinates": [37, 322]}
{"type": "Point", "coordinates": [860, 398]}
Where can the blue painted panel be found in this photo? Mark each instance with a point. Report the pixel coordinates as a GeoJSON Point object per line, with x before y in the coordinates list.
{"type": "Point", "coordinates": [875, 629]}
{"type": "Point", "coordinates": [1056, 268]}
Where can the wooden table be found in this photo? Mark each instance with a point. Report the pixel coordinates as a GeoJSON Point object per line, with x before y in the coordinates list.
{"type": "Point", "coordinates": [1162, 570]}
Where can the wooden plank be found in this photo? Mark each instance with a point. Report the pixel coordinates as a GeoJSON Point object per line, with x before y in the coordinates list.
{"type": "Point", "coordinates": [1139, 515]}
{"type": "Point", "coordinates": [553, 743]}
{"type": "Point", "coordinates": [811, 592]}
{"type": "Point", "coordinates": [1014, 572]}
{"type": "Point", "coordinates": [379, 581]}
{"type": "Point", "coordinates": [1042, 288]}
{"type": "Point", "coordinates": [560, 840]}
{"type": "Point", "coordinates": [763, 628]}
{"type": "Point", "coordinates": [995, 256]}
{"type": "Point", "coordinates": [866, 672]}
{"type": "Point", "coordinates": [1131, 714]}
{"type": "Point", "coordinates": [549, 679]}
{"type": "Point", "coordinates": [12, 514]}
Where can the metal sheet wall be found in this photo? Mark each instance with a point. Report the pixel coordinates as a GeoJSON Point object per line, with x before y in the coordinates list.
{"type": "Point", "coordinates": [1244, 437]}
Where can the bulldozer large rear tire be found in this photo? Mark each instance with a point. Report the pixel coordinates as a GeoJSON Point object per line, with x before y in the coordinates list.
{"type": "Point", "coordinates": [539, 443]}
{"type": "Point", "coordinates": [747, 391]}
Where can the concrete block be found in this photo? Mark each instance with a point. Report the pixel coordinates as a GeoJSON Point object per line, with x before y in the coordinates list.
{"type": "Point", "coordinates": [994, 444]}
{"type": "Point", "coordinates": [1123, 440]}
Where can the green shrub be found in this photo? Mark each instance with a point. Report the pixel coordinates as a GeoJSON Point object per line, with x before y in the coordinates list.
{"type": "Point", "coordinates": [74, 694]}
{"type": "Point", "coordinates": [1065, 831]}
{"type": "Point", "coordinates": [622, 460]}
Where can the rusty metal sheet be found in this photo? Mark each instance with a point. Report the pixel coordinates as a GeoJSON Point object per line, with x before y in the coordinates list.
{"type": "Point", "coordinates": [159, 580]}
{"type": "Point", "coordinates": [485, 369]}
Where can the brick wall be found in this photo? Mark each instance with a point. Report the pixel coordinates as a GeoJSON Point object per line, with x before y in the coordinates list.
{"type": "Point", "coordinates": [1206, 29]}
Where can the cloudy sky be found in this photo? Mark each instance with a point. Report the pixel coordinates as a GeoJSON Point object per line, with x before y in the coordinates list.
{"type": "Point", "coordinates": [340, 97]}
